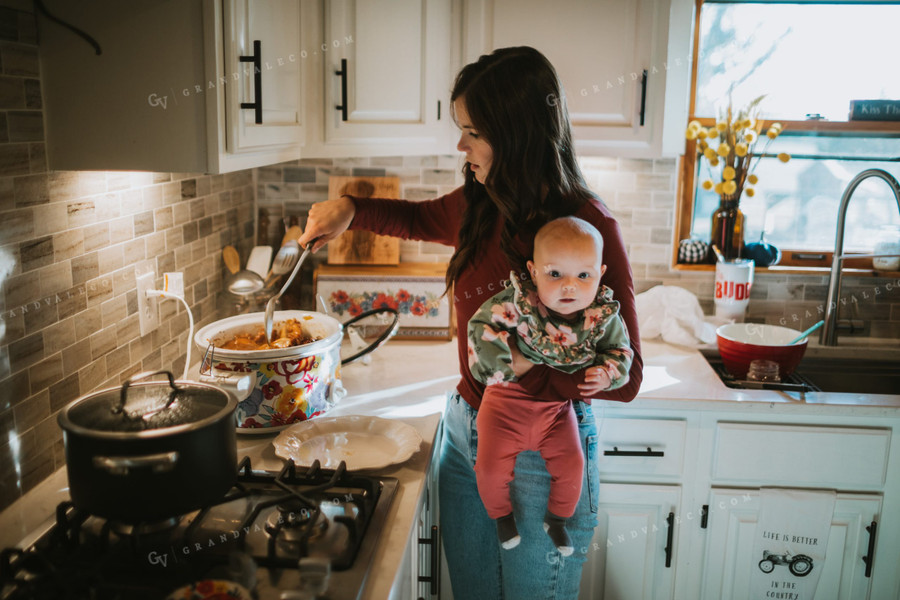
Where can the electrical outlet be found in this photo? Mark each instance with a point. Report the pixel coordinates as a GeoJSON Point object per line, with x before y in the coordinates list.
{"type": "Point", "coordinates": [148, 308]}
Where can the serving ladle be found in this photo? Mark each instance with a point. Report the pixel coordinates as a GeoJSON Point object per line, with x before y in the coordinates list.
{"type": "Point", "coordinates": [270, 305]}
{"type": "Point", "coordinates": [244, 282]}
{"type": "Point", "coordinates": [241, 282]}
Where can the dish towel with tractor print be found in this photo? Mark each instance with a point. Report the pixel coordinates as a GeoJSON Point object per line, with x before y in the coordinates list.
{"type": "Point", "coordinates": [789, 546]}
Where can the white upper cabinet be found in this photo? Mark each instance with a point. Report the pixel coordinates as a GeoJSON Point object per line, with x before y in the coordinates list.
{"type": "Point", "coordinates": [166, 93]}
{"type": "Point", "coordinates": [624, 64]}
{"type": "Point", "coordinates": [386, 67]}
{"type": "Point", "coordinates": [262, 45]}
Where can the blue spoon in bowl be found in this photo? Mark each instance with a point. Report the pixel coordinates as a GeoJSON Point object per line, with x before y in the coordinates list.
{"type": "Point", "coordinates": [806, 333]}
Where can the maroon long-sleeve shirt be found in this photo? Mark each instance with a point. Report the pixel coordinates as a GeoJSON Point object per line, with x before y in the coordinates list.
{"type": "Point", "coordinates": [439, 221]}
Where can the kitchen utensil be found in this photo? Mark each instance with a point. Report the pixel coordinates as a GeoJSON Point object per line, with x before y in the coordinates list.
{"type": "Point", "coordinates": [807, 332]}
{"type": "Point", "coordinates": [741, 343]}
{"type": "Point", "coordinates": [260, 259]}
{"type": "Point", "coordinates": [292, 233]}
{"type": "Point", "coordinates": [719, 256]}
{"type": "Point", "coordinates": [232, 259]}
{"type": "Point", "coordinates": [270, 305]}
{"type": "Point", "coordinates": [283, 262]}
{"type": "Point", "coordinates": [291, 384]}
{"type": "Point", "coordinates": [244, 282]}
{"type": "Point", "coordinates": [360, 441]}
{"type": "Point", "coordinates": [149, 450]}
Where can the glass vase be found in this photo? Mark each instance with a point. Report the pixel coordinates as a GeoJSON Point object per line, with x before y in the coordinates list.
{"type": "Point", "coordinates": [727, 231]}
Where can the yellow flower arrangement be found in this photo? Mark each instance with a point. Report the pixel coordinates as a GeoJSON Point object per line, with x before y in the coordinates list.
{"type": "Point", "coordinates": [730, 161]}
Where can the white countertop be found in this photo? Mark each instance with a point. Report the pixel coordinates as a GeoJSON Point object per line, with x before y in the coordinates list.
{"type": "Point", "coordinates": [408, 380]}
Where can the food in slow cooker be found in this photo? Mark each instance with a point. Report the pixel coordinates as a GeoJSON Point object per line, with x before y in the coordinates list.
{"type": "Point", "coordinates": [288, 333]}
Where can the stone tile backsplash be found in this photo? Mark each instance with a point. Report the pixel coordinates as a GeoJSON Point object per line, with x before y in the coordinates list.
{"type": "Point", "coordinates": [71, 244]}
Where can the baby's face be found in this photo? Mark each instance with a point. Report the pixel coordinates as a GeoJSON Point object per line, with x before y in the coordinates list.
{"type": "Point", "coordinates": [567, 274]}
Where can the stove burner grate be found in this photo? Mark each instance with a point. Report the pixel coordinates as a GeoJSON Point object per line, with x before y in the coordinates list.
{"type": "Point", "coordinates": [280, 521]}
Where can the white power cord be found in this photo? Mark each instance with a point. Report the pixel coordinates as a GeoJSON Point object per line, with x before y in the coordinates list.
{"type": "Point", "coordinates": [162, 294]}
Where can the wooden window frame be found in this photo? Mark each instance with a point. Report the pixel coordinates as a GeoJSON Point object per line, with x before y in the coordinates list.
{"type": "Point", "coordinates": [793, 261]}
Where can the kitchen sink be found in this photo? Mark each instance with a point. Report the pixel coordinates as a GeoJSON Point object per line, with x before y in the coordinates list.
{"type": "Point", "coordinates": [825, 373]}
{"type": "Point", "coordinates": [851, 375]}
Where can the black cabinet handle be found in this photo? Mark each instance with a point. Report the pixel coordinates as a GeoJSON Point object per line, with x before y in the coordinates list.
{"type": "Point", "coordinates": [256, 59]}
{"type": "Point", "coordinates": [648, 452]}
{"type": "Point", "coordinates": [343, 75]}
{"type": "Point", "coordinates": [869, 558]}
{"type": "Point", "coordinates": [643, 95]}
{"type": "Point", "coordinates": [670, 520]}
{"type": "Point", "coordinates": [704, 516]}
{"type": "Point", "coordinates": [435, 543]}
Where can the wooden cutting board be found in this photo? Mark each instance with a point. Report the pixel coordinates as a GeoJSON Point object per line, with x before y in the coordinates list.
{"type": "Point", "coordinates": [363, 247]}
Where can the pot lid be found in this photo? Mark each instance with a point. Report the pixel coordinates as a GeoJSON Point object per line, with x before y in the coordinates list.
{"type": "Point", "coordinates": [148, 405]}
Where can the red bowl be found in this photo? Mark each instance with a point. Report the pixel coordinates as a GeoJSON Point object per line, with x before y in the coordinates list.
{"type": "Point", "coordinates": [741, 343]}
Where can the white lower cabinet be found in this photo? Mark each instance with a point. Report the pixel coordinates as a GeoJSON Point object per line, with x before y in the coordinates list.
{"type": "Point", "coordinates": [705, 467]}
{"type": "Point", "coordinates": [420, 569]}
{"type": "Point", "coordinates": [633, 550]}
{"type": "Point", "coordinates": [729, 560]}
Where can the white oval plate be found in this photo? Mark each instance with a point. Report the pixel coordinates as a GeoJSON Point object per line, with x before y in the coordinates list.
{"type": "Point", "coordinates": [361, 442]}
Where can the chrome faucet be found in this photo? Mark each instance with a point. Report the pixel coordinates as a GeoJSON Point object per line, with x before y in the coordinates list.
{"type": "Point", "coordinates": [829, 331]}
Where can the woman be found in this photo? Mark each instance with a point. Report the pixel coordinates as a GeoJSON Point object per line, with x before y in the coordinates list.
{"type": "Point", "coordinates": [520, 173]}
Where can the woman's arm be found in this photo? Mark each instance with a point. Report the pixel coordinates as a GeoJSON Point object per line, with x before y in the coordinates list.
{"type": "Point", "coordinates": [435, 220]}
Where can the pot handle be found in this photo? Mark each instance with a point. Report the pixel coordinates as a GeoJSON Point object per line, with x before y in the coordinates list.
{"type": "Point", "coordinates": [120, 465]}
{"type": "Point", "coordinates": [120, 409]}
{"type": "Point", "coordinates": [387, 333]}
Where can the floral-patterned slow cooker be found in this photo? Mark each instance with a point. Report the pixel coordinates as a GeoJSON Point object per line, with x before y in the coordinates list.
{"type": "Point", "coordinates": [291, 384]}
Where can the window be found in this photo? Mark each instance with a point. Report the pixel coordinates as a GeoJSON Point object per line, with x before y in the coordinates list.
{"type": "Point", "coordinates": [810, 60]}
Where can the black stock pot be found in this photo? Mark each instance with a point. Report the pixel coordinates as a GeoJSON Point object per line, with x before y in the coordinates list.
{"type": "Point", "coordinates": [150, 450]}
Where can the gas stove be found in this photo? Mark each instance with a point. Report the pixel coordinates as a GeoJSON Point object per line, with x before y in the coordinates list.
{"type": "Point", "coordinates": [302, 533]}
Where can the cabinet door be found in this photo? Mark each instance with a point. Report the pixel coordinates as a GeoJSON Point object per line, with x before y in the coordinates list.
{"type": "Point", "coordinates": [600, 50]}
{"type": "Point", "coordinates": [627, 558]}
{"type": "Point", "coordinates": [393, 94]}
{"type": "Point", "coordinates": [273, 80]}
{"type": "Point", "coordinates": [426, 575]}
{"type": "Point", "coordinates": [733, 515]}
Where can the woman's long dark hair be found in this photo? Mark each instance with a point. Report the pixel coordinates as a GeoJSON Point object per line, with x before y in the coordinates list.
{"type": "Point", "coordinates": [515, 101]}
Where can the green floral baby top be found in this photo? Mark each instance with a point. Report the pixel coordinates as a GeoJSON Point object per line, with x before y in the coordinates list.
{"type": "Point", "coordinates": [596, 338]}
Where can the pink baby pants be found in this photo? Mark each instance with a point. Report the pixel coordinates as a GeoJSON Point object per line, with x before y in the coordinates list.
{"type": "Point", "coordinates": [510, 422]}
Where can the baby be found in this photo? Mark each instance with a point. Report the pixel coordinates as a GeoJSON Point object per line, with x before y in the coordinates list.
{"type": "Point", "coordinates": [562, 318]}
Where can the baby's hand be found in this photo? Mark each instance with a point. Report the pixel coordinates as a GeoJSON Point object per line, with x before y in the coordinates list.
{"type": "Point", "coordinates": [596, 379]}
{"type": "Point", "coordinates": [598, 376]}
{"type": "Point", "coordinates": [520, 365]}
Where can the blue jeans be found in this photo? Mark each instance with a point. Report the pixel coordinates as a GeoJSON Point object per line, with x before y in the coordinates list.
{"type": "Point", "coordinates": [479, 567]}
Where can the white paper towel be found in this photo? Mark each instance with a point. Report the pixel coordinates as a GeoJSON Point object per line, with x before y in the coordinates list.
{"type": "Point", "coordinates": [789, 548]}
{"type": "Point", "coordinates": [674, 314]}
